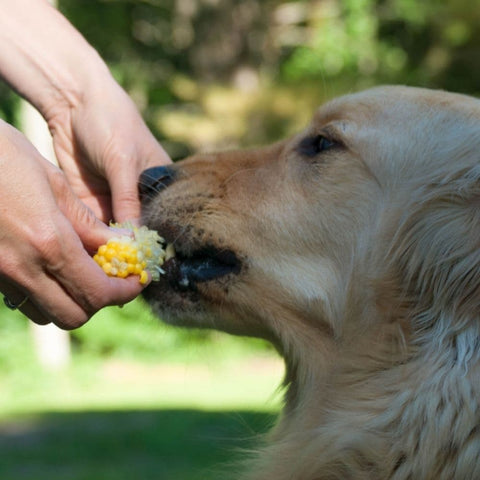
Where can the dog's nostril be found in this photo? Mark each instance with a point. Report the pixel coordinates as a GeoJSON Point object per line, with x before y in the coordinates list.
{"type": "Point", "coordinates": [155, 179]}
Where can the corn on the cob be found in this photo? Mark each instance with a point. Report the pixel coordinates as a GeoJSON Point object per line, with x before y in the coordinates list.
{"type": "Point", "coordinates": [140, 254]}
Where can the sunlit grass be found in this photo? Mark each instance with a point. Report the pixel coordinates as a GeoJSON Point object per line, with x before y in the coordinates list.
{"type": "Point", "coordinates": [118, 384]}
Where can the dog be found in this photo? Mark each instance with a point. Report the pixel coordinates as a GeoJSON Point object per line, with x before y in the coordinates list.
{"type": "Point", "coordinates": [354, 248]}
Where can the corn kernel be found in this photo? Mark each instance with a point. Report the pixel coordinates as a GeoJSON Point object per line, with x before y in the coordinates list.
{"type": "Point", "coordinates": [132, 258]}
{"type": "Point", "coordinates": [140, 254]}
{"type": "Point", "coordinates": [107, 268]}
{"type": "Point", "coordinates": [111, 252]}
{"type": "Point", "coordinates": [123, 274]}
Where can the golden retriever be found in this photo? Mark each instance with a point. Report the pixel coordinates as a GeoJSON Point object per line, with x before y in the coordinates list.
{"type": "Point", "coordinates": [354, 247]}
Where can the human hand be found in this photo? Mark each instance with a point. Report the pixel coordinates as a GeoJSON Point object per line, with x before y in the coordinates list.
{"type": "Point", "coordinates": [100, 139]}
{"type": "Point", "coordinates": [103, 145]}
{"type": "Point", "coordinates": [46, 235]}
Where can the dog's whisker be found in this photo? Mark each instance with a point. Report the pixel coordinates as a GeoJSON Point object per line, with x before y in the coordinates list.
{"type": "Point", "coordinates": [154, 187]}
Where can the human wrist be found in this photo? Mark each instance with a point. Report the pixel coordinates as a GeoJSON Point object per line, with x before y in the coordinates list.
{"type": "Point", "coordinates": [49, 73]}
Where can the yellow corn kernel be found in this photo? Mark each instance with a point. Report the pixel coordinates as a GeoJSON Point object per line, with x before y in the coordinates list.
{"type": "Point", "coordinates": [131, 258]}
{"type": "Point", "coordinates": [107, 268]}
{"type": "Point", "coordinates": [123, 274]}
{"type": "Point", "coordinates": [141, 254]}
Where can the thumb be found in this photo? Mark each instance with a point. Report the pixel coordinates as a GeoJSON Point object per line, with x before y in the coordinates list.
{"type": "Point", "coordinates": [92, 231]}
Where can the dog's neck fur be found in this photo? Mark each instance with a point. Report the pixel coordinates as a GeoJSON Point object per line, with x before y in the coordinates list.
{"type": "Point", "coordinates": [367, 412]}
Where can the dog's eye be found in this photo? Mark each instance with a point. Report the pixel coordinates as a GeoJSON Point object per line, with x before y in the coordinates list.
{"type": "Point", "coordinates": [312, 146]}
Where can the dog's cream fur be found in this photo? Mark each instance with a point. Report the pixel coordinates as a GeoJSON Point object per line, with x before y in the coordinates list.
{"type": "Point", "coordinates": [361, 263]}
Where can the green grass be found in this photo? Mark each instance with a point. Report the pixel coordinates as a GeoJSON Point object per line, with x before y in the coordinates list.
{"type": "Point", "coordinates": [124, 421]}
{"type": "Point", "coordinates": [139, 401]}
{"type": "Point", "coordinates": [250, 384]}
{"type": "Point", "coordinates": [124, 445]}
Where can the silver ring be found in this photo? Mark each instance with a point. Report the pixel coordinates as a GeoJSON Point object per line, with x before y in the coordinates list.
{"type": "Point", "coordinates": [13, 306]}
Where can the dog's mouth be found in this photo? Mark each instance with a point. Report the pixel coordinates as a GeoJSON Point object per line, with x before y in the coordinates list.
{"type": "Point", "coordinates": [184, 271]}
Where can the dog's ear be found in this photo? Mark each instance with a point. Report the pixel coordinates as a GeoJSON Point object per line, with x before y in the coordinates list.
{"type": "Point", "coordinates": [436, 248]}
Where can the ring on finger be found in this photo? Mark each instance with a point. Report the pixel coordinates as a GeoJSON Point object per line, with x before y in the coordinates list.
{"type": "Point", "coordinates": [13, 306]}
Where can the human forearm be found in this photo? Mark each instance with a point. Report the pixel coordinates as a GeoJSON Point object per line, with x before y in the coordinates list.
{"type": "Point", "coordinates": [44, 58]}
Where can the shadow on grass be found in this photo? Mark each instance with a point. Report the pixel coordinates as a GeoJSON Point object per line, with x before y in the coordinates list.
{"type": "Point", "coordinates": [126, 445]}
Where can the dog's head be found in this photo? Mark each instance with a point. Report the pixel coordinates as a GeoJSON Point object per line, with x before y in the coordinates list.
{"type": "Point", "coordinates": [369, 216]}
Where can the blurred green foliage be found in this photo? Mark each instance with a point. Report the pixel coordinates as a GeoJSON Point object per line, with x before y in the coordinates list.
{"type": "Point", "coordinates": [133, 332]}
{"type": "Point", "coordinates": [222, 73]}
{"type": "Point", "coordinates": [210, 74]}
{"type": "Point", "coordinates": [130, 333]}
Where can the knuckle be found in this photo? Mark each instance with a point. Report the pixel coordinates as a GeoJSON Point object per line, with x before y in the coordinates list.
{"type": "Point", "coordinates": [72, 322]}
{"type": "Point", "coordinates": [11, 267]}
{"type": "Point", "coordinates": [58, 182]}
{"type": "Point", "coordinates": [50, 247]}
{"type": "Point", "coordinates": [70, 317]}
{"type": "Point", "coordinates": [86, 218]}
{"type": "Point", "coordinates": [92, 299]}
{"type": "Point", "coordinates": [93, 303]}
{"type": "Point", "coordinates": [116, 150]}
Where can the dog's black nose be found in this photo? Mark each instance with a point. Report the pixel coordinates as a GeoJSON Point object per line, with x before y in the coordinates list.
{"type": "Point", "coordinates": [154, 179]}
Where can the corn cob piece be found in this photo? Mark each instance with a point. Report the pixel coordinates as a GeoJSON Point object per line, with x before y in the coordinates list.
{"type": "Point", "coordinates": [140, 254]}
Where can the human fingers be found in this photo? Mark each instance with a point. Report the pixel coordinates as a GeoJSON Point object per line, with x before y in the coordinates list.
{"type": "Point", "coordinates": [123, 179]}
{"type": "Point", "coordinates": [65, 293]}
{"type": "Point", "coordinates": [65, 286]}
{"type": "Point", "coordinates": [92, 231]}
{"type": "Point", "coordinates": [17, 299]}
{"type": "Point", "coordinates": [63, 283]}
{"type": "Point", "coordinates": [70, 263]}
{"type": "Point", "coordinates": [42, 255]}
{"type": "Point", "coordinates": [104, 150]}
{"type": "Point", "coordinates": [69, 301]}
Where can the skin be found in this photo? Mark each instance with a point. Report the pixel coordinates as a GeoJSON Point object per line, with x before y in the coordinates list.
{"type": "Point", "coordinates": [49, 231]}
